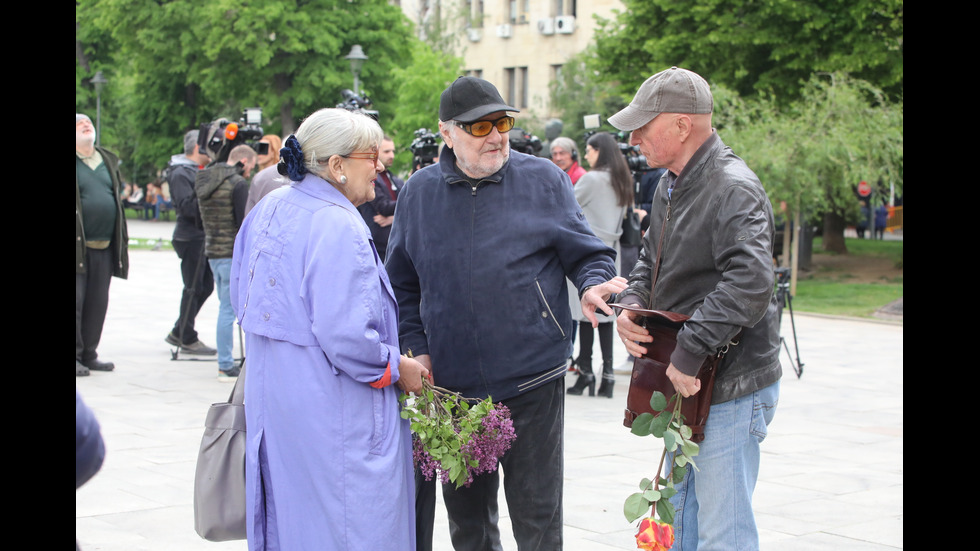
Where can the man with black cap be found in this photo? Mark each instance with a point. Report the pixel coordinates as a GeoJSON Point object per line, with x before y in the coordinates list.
{"type": "Point", "coordinates": [480, 248]}
{"type": "Point", "coordinates": [101, 242]}
{"type": "Point", "coordinates": [711, 227]}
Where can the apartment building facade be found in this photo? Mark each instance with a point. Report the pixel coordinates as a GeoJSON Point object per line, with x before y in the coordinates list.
{"type": "Point", "coordinates": [518, 45]}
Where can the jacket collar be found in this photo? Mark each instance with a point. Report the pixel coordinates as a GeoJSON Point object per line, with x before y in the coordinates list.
{"type": "Point", "coordinates": [453, 175]}
{"type": "Point", "coordinates": [697, 161]}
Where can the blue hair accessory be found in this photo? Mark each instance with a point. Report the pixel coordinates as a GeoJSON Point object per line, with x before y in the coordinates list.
{"type": "Point", "coordinates": [291, 159]}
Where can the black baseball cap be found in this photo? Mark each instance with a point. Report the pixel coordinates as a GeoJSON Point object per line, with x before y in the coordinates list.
{"type": "Point", "coordinates": [469, 98]}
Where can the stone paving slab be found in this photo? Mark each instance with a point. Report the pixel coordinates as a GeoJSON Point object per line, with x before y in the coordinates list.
{"type": "Point", "coordinates": [832, 466]}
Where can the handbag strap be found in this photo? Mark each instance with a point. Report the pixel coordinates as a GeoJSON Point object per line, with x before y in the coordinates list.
{"type": "Point", "coordinates": [238, 392]}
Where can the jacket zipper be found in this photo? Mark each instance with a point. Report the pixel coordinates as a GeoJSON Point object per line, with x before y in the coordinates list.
{"type": "Point", "coordinates": [548, 306]}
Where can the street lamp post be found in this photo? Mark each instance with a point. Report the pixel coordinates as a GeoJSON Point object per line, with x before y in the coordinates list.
{"type": "Point", "coordinates": [357, 58]}
{"type": "Point", "coordinates": [99, 81]}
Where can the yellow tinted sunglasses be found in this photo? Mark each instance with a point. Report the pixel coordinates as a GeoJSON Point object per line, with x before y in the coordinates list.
{"type": "Point", "coordinates": [482, 128]}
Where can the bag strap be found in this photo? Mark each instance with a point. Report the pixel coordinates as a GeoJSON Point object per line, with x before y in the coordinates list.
{"type": "Point", "coordinates": [237, 396]}
{"type": "Point", "coordinates": [660, 244]}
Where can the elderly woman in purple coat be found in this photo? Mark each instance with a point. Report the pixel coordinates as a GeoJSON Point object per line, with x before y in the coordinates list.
{"type": "Point", "coordinates": [329, 459]}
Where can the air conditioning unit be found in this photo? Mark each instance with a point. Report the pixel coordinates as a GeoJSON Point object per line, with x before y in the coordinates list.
{"type": "Point", "coordinates": [565, 24]}
{"type": "Point", "coordinates": [546, 26]}
{"type": "Point", "coordinates": [504, 31]}
{"type": "Point", "coordinates": [474, 34]}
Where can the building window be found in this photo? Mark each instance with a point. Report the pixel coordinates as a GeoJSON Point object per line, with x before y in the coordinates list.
{"type": "Point", "coordinates": [564, 7]}
{"type": "Point", "coordinates": [556, 73]}
{"type": "Point", "coordinates": [519, 11]}
{"type": "Point", "coordinates": [515, 83]}
{"type": "Point", "coordinates": [522, 87]}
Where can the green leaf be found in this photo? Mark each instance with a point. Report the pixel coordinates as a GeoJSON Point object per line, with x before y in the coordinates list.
{"type": "Point", "coordinates": [686, 432]}
{"type": "Point", "coordinates": [690, 448]}
{"type": "Point", "coordinates": [678, 474]}
{"type": "Point", "coordinates": [651, 495]}
{"type": "Point", "coordinates": [658, 401]}
{"type": "Point", "coordinates": [636, 506]}
{"type": "Point", "coordinates": [668, 492]}
{"type": "Point", "coordinates": [670, 442]}
{"type": "Point", "coordinates": [659, 425]}
{"type": "Point", "coordinates": [665, 510]}
{"type": "Point", "coordinates": [641, 425]}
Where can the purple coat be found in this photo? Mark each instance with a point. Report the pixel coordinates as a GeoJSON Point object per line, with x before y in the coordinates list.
{"type": "Point", "coordinates": [329, 459]}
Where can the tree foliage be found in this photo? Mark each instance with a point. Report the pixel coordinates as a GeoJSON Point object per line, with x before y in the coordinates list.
{"type": "Point", "coordinates": [581, 90]}
{"type": "Point", "coordinates": [175, 65]}
{"type": "Point", "coordinates": [753, 46]}
{"type": "Point", "coordinates": [419, 87]}
{"type": "Point", "coordinates": [812, 154]}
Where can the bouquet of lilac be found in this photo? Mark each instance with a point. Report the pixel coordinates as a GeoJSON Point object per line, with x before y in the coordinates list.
{"type": "Point", "coordinates": [456, 438]}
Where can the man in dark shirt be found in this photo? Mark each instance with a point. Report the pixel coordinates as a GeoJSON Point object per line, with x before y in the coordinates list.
{"type": "Point", "coordinates": [380, 212]}
{"type": "Point", "coordinates": [101, 242]}
{"type": "Point", "coordinates": [188, 242]}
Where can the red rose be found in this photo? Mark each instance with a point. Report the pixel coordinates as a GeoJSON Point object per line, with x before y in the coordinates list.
{"type": "Point", "coordinates": [654, 535]}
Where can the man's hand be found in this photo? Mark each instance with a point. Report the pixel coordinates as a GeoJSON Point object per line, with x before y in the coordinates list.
{"type": "Point", "coordinates": [383, 221]}
{"type": "Point", "coordinates": [685, 385]}
{"type": "Point", "coordinates": [597, 295]}
{"type": "Point", "coordinates": [410, 373]}
{"type": "Point", "coordinates": [632, 333]}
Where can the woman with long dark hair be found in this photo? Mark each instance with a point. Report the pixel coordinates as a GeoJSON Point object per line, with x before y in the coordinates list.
{"type": "Point", "coordinates": [604, 193]}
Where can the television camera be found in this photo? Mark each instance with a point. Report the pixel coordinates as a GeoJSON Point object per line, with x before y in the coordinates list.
{"type": "Point", "coordinates": [216, 139]}
{"type": "Point", "coordinates": [636, 160]}
{"type": "Point", "coordinates": [424, 148]}
{"type": "Point", "coordinates": [353, 102]}
{"type": "Point", "coordinates": [524, 142]}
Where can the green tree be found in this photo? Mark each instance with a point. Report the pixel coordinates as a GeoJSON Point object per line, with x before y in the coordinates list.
{"type": "Point", "coordinates": [755, 47]}
{"type": "Point", "coordinates": [186, 63]}
{"type": "Point", "coordinates": [420, 85]}
{"type": "Point", "coordinates": [812, 154]}
{"type": "Point", "coordinates": [582, 90]}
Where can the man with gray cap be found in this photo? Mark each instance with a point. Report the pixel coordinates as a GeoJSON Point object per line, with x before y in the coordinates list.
{"type": "Point", "coordinates": [101, 242]}
{"type": "Point", "coordinates": [480, 248]}
{"type": "Point", "coordinates": [711, 227]}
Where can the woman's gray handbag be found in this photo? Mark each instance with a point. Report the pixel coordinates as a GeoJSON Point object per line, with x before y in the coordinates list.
{"type": "Point", "coordinates": [219, 484]}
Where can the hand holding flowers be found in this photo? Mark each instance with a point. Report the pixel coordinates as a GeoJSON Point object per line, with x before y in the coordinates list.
{"type": "Point", "coordinates": [453, 438]}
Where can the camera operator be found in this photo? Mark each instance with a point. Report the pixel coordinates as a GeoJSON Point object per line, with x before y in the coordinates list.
{"type": "Point", "coordinates": [379, 213]}
{"type": "Point", "coordinates": [564, 153]}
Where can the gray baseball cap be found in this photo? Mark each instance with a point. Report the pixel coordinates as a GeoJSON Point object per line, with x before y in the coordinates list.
{"type": "Point", "coordinates": [672, 91]}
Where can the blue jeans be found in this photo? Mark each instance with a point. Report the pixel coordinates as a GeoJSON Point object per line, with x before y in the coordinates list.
{"type": "Point", "coordinates": [728, 468]}
{"type": "Point", "coordinates": [225, 332]}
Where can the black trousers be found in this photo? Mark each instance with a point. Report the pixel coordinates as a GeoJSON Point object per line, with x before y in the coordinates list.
{"type": "Point", "coordinates": [198, 286]}
{"type": "Point", "coordinates": [533, 469]}
{"type": "Point", "coordinates": [425, 511]}
{"type": "Point", "coordinates": [91, 302]}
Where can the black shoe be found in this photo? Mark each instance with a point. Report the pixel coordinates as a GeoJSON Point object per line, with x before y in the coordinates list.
{"type": "Point", "coordinates": [606, 387]}
{"type": "Point", "coordinates": [585, 380]}
{"type": "Point", "coordinates": [81, 370]}
{"type": "Point", "coordinates": [608, 379]}
{"type": "Point", "coordinates": [96, 365]}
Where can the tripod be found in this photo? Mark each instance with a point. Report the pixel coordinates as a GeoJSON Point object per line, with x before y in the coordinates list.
{"type": "Point", "coordinates": [784, 299]}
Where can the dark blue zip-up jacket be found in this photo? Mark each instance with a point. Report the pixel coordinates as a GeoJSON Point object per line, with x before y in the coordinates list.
{"type": "Point", "coordinates": [479, 273]}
